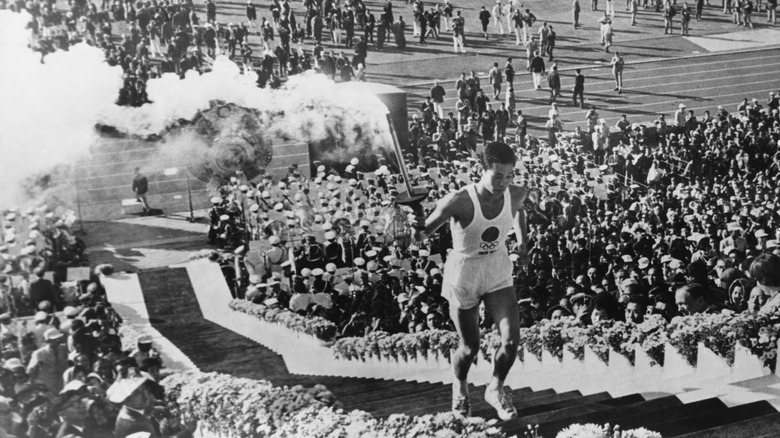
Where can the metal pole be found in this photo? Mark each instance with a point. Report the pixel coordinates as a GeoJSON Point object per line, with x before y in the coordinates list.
{"type": "Point", "coordinates": [189, 195]}
{"type": "Point", "coordinates": [78, 205]}
{"type": "Point", "coordinates": [400, 156]}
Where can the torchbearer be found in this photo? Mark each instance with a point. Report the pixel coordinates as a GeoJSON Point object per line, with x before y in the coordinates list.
{"type": "Point", "coordinates": [479, 270]}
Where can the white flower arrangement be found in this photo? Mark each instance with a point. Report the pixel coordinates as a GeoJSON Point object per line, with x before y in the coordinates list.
{"type": "Point", "coordinates": [591, 430]}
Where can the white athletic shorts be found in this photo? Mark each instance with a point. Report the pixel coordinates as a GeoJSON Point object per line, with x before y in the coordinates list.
{"type": "Point", "coordinates": [469, 278]}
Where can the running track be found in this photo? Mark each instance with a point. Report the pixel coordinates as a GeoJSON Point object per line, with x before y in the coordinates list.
{"type": "Point", "coordinates": [649, 88]}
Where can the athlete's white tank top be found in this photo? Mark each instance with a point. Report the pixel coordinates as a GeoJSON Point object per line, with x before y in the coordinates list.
{"type": "Point", "coordinates": [482, 236]}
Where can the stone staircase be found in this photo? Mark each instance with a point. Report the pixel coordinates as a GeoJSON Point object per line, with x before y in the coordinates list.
{"type": "Point", "coordinates": [103, 180]}
{"type": "Point", "coordinates": [175, 312]}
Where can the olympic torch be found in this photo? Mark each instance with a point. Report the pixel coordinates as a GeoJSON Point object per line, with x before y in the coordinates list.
{"type": "Point", "coordinates": [413, 196]}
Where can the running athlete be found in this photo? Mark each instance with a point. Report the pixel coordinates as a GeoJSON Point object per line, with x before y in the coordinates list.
{"type": "Point", "coordinates": [479, 269]}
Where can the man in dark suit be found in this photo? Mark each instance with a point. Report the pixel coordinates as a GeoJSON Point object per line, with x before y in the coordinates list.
{"type": "Point", "coordinates": [140, 187]}
{"type": "Point", "coordinates": [579, 89]}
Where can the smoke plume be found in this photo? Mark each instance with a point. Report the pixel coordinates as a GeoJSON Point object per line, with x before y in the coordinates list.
{"type": "Point", "coordinates": [49, 110]}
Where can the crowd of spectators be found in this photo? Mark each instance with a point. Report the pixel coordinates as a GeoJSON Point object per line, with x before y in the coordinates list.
{"type": "Point", "coordinates": [66, 374]}
{"type": "Point", "coordinates": [38, 246]}
{"type": "Point", "coordinates": [63, 370]}
{"type": "Point", "coordinates": [623, 221]}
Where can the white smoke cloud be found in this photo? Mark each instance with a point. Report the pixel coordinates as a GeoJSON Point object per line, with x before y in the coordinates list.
{"type": "Point", "coordinates": [310, 108]}
{"type": "Point", "coordinates": [49, 110]}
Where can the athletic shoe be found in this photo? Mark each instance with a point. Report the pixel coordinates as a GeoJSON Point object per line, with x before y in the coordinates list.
{"type": "Point", "coordinates": [461, 405]}
{"type": "Point", "coordinates": [501, 403]}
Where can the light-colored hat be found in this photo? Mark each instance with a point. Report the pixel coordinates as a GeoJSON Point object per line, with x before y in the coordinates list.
{"type": "Point", "coordinates": [52, 334]}
{"type": "Point", "coordinates": [274, 240]}
{"type": "Point", "coordinates": [40, 316]}
{"type": "Point", "coordinates": [124, 388]}
{"type": "Point", "coordinates": [359, 261]}
{"type": "Point", "coordinates": [627, 258]}
{"type": "Point", "coordinates": [424, 253]}
{"type": "Point", "coordinates": [330, 235]}
{"type": "Point", "coordinates": [317, 272]}
{"type": "Point", "coordinates": [330, 267]}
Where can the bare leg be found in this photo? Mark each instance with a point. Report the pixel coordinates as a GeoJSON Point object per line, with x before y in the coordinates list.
{"type": "Point", "coordinates": [502, 306]}
{"type": "Point", "coordinates": [467, 325]}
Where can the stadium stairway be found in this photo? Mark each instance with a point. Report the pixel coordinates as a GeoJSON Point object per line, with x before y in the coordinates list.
{"type": "Point", "coordinates": [174, 311]}
{"type": "Point", "coordinates": [103, 180]}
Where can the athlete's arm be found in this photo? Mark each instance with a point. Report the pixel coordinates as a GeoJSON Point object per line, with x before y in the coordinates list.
{"type": "Point", "coordinates": [445, 209]}
{"type": "Point", "coordinates": [519, 194]}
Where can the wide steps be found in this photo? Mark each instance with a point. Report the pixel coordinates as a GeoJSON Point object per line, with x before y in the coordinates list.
{"type": "Point", "coordinates": [671, 413]}
{"type": "Point", "coordinates": [707, 420]}
{"type": "Point", "coordinates": [764, 426]}
{"type": "Point", "coordinates": [614, 415]}
{"type": "Point", "coordinates": [443, 402]}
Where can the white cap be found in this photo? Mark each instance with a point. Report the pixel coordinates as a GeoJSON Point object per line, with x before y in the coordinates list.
{"type": "Point", "coordinates": [424, 253]}
{"type": "Point", "coordinates": [330, 267]}
{"type": "Point", "coordinates": [317, 272]}
{"type": "Point", "coordinates": [330, 235]}
{"type": "Point", "coordinates": [359, 261]}
{"type": "Point", "coordinates": [274, 240]}
{"type": "Point", "coordinates": [354, 161]}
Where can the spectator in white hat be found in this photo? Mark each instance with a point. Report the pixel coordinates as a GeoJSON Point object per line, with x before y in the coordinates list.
{"type": "Point", "coordinates": [49, 362]}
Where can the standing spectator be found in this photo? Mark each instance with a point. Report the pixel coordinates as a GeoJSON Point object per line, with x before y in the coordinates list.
{"type": "Point", "coordinates": [634, 10]}
{"type": "Point", "coordinates": [579, 89]}
{"type": "Point", "coordinates": [48, 363]}
{"type": "Point", "coordinates": [553, 126]}
{"type": "Point", "coordinates": [510, 100]}
{"type": "Point", "coordinates": [211, 12]}
{"type": "Point", "coordinates": [748, 14]}
{"type": "Point", "coordinates": [530, 47]}
{"type": "Point", "coordinates": [679, 116]}
{"type": "Point", "coordinates": [509, 73]}
{"type": "Point", "coordinates": [140, 188]}
{"type": "Point", "coordinates": [700, 8]}
{"type": "Point", "coordinates": [617, 71]}
{"type": "Point", "coordinates": [610, 9]}
{"type": "Point", "coordinates": [771, 11]}
{"type": "Point", "coordinates": [496, 78]}
{"type": "Point", "coordinates": [484, 18]}
{"type": "Point", "coordinates": [502, 120]}
{"type": "Point", "coordinates": [575, 10]}
{"type": "Point", "coordinates": [498, 18]}
{"type": "Point", "coordinates": [246, 57]}
{"type": "Point", "coordinates": [518, 22]}
{"type": "Point", "coordinates": [554, 81]}
{"type": "Point", "coordinates": [544, 33]}
{"type": "Point", "coordinates": [521, 129]}
{"type": "Point", "coordinates": [537, 69]}
{"type": "Point", "coordinates": [550, 43]}
{"type": "Point", "coordinates": [437, 96]}
{"type": "Point", "coordinates": [447, 15]}
{"type": "Point", "coordinates": [529, 19]}
{"type": "Point", "coordinates": [669, 13]}
{"type": "Point", "coordinates": [606, 32]}
{"type": "Point", "coordinates": [251, 13]}
{"type": "Point", "coordinates": [231, 37]}
{"type": "Point", "coordinates": [458, 29]}
{"type": "Point", "coordinates": [685, 19]}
